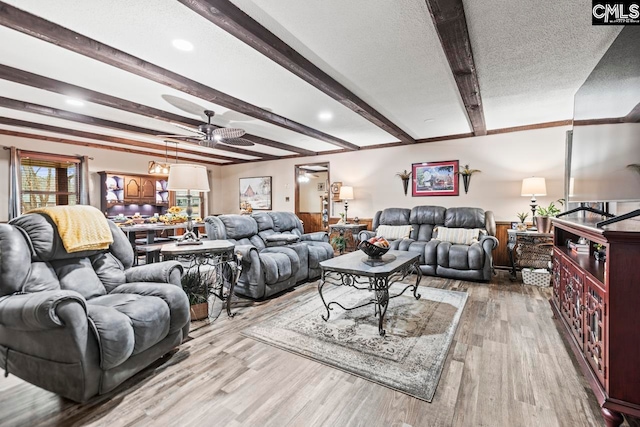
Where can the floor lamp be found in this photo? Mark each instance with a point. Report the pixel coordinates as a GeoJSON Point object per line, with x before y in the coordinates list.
{"type": "Point", "coordinates": [534, 186]}
{"type": "Point", "coordinates": [189, 178]}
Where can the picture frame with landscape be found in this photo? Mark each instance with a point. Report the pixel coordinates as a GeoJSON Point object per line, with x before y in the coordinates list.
{"type": "Point", "coordinates": [256, 191]}
{"type": "Point", "coordinates": [435, 178]}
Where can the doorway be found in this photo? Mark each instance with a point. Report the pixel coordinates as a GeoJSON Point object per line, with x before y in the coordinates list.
{"type": "Point", "coordinates": [312, 196]}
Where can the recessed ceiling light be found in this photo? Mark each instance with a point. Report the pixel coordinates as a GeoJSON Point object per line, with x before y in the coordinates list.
{"type": "Point", "coordinates": [182, 45]}
{"type": "Point", "coordinates": [325, 116]}
{"type": "Point", "coordinates": [75, 102]}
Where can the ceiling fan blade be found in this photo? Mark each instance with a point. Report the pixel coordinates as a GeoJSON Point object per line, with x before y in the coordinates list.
{"type": "Point", "coordinates": [240, 142]}
{"type": "Point", "coordinates": [209, 143]}
{"type": "Point", "coordinates": [185, 105]}
{"type": "Point", "coordinates": [228, 133]}
{"type": "Point", "coordinates": [189, 129]}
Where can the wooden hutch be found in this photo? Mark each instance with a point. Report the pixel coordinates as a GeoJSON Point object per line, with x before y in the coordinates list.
{"type": "Point", "coordinates": [598, 305]}
{"type": "Point", "coordinates": [127, 194]}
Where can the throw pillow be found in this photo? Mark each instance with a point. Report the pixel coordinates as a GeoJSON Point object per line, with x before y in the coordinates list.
{"type": "Point", "coordinates": [393, 232]}
{"type": "Point", "coordinates": [458, 236]}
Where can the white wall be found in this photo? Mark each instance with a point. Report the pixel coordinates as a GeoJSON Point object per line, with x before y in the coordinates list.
{"type": "Point", "coordinates": [309, 194]}
{"type": "Point", "coordinates": [504, 160]}
{"type": "Point", "coordinates": [102, 160]}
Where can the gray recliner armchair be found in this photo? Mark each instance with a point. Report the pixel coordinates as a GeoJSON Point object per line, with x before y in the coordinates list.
{"type": "Point", "coordinates": [79, 324]}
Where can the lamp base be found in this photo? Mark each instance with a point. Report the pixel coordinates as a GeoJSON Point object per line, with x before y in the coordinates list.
{"type": "Point", "coordinates": [189, 238]}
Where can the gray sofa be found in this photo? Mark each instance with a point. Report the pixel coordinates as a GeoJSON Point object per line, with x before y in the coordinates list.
{"type": "Point", "coordinates": [276, 254]}
{"type": "Point", "coordinates": [79, 324]}
{"type": "Point", "coordinates": [442, 258]}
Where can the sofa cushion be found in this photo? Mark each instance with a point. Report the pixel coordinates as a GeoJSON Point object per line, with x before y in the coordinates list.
{"type": "Point", "coordinates": [109, 269]}
{"type": "Point", "coordinates": [41, 278]}
{"type": "Point", "coordinates": [433, 215]}
{"type": "Point", "coordinates": [460, 257]}
{"type": "Point", "coordinates": [460, 236]}
{"type": "Point", "coordinates": [77, 274]}
{"type": "Point", "coordinates": [464, 218]}
{"type": "Point", "coordinates": [393, 232]}
{"type": "Point", "coordinates": [285, 221]}
{"type": "Point", "coordinates": [276, 266]}
{"type": "Point", "coordinates": [239, 226]}
{"type": "Point", "coordinates": [394, 216]}
{"type": "Point", "coordinates": [147, 316]}
{"type": "Point", "coordinates": [114, 334]}
{"type": "Point", "coordinates": [264, 221]}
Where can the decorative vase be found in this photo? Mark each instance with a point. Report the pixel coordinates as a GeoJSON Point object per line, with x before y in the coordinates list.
{"type": "Point", "coordinates": [199, 311]}
{"type": "Point", "coordinates": [600, 255]}
{"type": "Point", "coordinates": [405, 185]}
{"type": "Point", "coordinates": [466, 180]}
{"type": "Point", "coordinates": [543, 224]}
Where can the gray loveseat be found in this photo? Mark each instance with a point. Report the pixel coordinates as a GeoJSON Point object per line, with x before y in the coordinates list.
{"type": "Point", "coordinates": [437, 257]}
{"type": "Point", "coordinates": [276, 254]}
{"type": "Point", "coordinates": [79, 324]}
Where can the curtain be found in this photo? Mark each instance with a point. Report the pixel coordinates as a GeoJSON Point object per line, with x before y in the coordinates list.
{"type": "Point", "coordinates": [84, 181]}
{"type": "Point", "coordinates": [14, 183]}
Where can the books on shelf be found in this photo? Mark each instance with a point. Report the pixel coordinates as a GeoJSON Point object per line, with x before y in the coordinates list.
{"type": "Point", "coordinates": [579, 247]}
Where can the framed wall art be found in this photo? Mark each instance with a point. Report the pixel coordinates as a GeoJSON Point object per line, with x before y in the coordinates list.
{"type": "Point", "coordinates": [435, 178]}
{"type": "Point", "coordinates": [256, 191]}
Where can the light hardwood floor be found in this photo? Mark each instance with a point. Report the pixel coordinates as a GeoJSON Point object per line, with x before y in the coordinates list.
{"type": "Point", "coordinates": [507, 366]}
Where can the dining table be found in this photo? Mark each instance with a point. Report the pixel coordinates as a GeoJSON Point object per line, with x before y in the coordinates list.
{"type": "Point", "coordinates": [151, 230]}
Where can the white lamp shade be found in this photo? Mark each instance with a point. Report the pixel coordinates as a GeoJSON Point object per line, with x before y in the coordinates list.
{"type": "Point", "coordinates": [184, 177]}
{"type": "Point", "coordinates": [534, 186]}
{"type": "Point", "coordinates": [346, 193]}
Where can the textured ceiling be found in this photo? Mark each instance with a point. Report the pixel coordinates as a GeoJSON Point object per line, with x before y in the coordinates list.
{"type": "Point", "coordinates": [530, 57]}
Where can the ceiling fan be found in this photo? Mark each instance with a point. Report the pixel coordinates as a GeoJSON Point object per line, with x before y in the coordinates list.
{"type": "Point", "coordinates": [209, 135]}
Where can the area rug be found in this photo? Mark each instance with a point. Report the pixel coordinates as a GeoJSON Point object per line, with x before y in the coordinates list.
{"type": "Point", "coordinates": [409, 358]}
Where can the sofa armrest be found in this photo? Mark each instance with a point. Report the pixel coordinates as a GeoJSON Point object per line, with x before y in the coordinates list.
{"type": "Point", "coordinates": [246, 252]}
{"type": "Point", "coordinates": [489, 243]}
{"type": "Point", "coordinates": [319, 236]}
{"type": "Point", "coordinates": [163, 272]}
{"type": "Point", "coordinates": [36, 311]}
{"type": "Point", "coordinates": [366, 235]}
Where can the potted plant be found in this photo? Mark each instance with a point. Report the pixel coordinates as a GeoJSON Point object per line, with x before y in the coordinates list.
{"type": "Point", "coordinates": [339, 243]}
{"type": "Point", "coordinates": [405, 177]}
{"type": "Point", "coordinates": [544, 215]}
{"type": "Point", "coordinates": [523, 217]}
{"type": "Point", "coordinates": [466, 174]}
{"type": "Point", "coordinates": [195, 285]}
{"type": "Point", "coordinates": [600, 252]}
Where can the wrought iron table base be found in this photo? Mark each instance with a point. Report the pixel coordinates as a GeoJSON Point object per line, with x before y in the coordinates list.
{"type": "Point", "coordinates": [378, 284]}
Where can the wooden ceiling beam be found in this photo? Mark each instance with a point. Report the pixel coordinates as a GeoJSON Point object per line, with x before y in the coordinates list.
{"type": "Point", "coordinates": [451, 26]}
{"type": "Point", "coordinates": [94, 145]}
{"type": "Point", "coordinates": [106, 138]}
{"type": "Point", "coordinates": [94, 121]}
{"type": "Point", "coordinates": [233, 20]}
{"type": "Point", "coordinates": [32, 25]}
{"type": "Point", "coordinates": [41, 82]}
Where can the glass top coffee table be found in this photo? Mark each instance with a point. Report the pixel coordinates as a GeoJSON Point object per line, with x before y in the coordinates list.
{"type": "Point", "coordinates": [351, 270]}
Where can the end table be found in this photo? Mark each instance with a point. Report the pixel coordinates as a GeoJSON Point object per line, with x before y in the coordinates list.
{"type": "Point", "coordinates": [529, 249]}
{"type": "Point", "coordinates": [349, 230]}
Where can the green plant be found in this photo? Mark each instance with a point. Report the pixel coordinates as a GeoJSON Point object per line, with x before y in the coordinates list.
{"type": "Point", "coordinates": [195, 284]}
{"type": "Point", "coordinates": [467, 171]}
{"type": "Point", "coordinates": [599, 247]}
{"type": "Point", "coordinates": [404, 175]}
{"type": "Point", "coordinates": [522, 216]}
{"type": "Point", "coordinates": [339, 242]}
{"type": "Point", "coordinates": [552, 210]}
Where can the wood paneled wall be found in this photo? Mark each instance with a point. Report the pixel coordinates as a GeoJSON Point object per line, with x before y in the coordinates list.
{"type": "Point", "coordinates": [500, 254]}
{"type": "Point", "coordinates": [312, 222]}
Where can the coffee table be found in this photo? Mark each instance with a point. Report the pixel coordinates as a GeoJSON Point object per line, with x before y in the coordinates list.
{"type": "Point", "coordinates": [350, 270]}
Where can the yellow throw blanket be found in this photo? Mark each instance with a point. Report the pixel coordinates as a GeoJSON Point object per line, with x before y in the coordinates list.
{"type": "Point", "coordinates": [81, 227]}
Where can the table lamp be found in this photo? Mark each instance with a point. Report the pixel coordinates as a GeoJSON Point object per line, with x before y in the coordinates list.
{"type": "Point", "coordinates": [534, 186]}
{"type": "Point", "coordinates": [346, 194]}
{"type": "Point", "coordinates": [184, 177]}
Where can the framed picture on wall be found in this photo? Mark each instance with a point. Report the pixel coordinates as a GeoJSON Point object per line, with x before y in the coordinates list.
{"type": "Point", "coordinates": [435, 178]}
{"type": "Point", "coordinates": [256, 191]}
{"type": "Point", "coordinates": [322, 186]}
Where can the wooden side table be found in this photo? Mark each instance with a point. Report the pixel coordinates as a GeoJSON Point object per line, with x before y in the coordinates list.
{"type": "Point", "coordinates": [528, 249]}
{"type": "Point", "coordinates": [350, 231]}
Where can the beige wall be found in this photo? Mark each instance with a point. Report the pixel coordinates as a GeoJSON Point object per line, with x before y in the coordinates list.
{"type": "Point", "coordinates": [309, 194]}
{"type": "Point", "coordinates": [504, 159]}
{"type": "Point", "coordinates": [102, 160]}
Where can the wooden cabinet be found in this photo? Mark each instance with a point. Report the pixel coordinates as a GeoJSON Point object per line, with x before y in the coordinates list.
{"type": "Point", "coordinates": [119, 189]}
{"type": "Point", "coordinates": [598, 306]}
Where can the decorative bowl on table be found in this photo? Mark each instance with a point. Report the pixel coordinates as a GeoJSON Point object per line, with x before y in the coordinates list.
{"type": "Point", "coordinates": [374, 250]}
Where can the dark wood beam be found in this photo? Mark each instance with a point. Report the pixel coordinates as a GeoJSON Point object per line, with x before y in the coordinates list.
{"type": "Point", "coordinates": [451, 26]}
{"type": "Point", "coordinates": [633, 116]}
{"type": "Point", "coordinates": [106, 138]}
{"type": "Point", "coordinates": [94, 145]}
{"type": "Point", "coordinates": [27, 23]}
{"type": "Point", "coordinates": [41, 82]}
{"type": "Point", "coordinates": [230, 18]}
{"type": "Point", "coordinates": [94, 121]}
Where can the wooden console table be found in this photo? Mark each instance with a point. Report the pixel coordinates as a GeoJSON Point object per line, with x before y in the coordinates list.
{"type": "Point", "coordinates": [597, 304]}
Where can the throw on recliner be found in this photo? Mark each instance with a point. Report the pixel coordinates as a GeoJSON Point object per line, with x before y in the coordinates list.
{"type": "Point", "coordinates": [79, 324]}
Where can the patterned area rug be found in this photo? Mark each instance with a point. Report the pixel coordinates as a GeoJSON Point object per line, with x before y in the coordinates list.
{"type": "Point", "coordinates": [409, 359]}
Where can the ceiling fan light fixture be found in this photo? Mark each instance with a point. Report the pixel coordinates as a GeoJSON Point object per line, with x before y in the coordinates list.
{"type": "Point", "coordinates": [183, 45]}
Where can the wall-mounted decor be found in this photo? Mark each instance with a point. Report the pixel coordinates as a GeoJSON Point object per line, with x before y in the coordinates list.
{"type": "Point", "coordinates": [335, 191]}
{"type": "Point", "coordinates": [435, 178]}
{"type": "Point", "coordinates": [256, 192]}
{"type": "Point", "coordinates": [405, 177]}
{"type": "Point", "coordinates": [466, 173]}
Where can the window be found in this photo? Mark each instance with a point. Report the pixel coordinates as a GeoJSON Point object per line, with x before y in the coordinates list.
{"type": "Point", "coordinates": [48, 180]}
{"type": "Point", "coordinates": [196, 199]}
